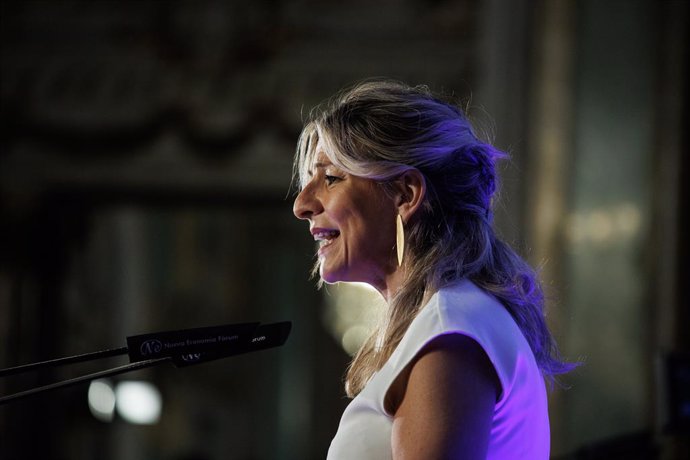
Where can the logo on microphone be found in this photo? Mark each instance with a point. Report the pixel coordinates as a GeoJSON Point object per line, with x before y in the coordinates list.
{"type": "Point", "coordinates": [191, 357]}
{"type": "Point", "coordinates": [150, 347]}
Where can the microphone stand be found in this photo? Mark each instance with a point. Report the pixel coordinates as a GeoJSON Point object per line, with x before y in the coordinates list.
{"type": "Point", "coordinates": [182, 348]}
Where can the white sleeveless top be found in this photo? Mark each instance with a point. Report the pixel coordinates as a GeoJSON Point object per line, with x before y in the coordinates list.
{"type": "Point", "coordinates": [520, 426]}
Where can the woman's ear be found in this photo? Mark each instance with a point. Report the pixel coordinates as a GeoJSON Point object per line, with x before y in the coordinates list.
{"type": "Point", "coordinates": [412, 190]}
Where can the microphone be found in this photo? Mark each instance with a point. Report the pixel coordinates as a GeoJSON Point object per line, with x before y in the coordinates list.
{"type": "Point", "coordinates": [183, 348]}
{"type": "Point", "coordinates": [194, 346]}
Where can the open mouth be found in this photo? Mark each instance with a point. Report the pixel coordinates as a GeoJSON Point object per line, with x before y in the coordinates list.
{"type": "Point", "coordinates": [326, 237]}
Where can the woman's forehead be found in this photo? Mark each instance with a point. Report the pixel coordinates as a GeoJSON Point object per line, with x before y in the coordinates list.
{"type": "Point", "coordinates": [319, 158]}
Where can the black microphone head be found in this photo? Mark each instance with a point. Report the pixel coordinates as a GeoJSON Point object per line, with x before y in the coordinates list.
{"type": "Point", "coordinates": [188, 341]}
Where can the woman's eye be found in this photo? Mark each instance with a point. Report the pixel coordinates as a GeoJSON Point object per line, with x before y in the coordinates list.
{"type": "Point", "coordinates": [330, 180]}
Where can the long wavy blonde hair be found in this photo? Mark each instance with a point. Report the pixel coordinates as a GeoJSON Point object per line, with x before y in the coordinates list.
{"type": "Point", "coordinates": [377, 130]}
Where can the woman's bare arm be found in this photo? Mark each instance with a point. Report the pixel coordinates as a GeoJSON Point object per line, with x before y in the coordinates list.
{"type": "Point", "coordinates": [443, 404]}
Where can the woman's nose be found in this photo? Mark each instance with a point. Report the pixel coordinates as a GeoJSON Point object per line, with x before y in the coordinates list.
{"type": "Point", "coordinates": [306, 204]}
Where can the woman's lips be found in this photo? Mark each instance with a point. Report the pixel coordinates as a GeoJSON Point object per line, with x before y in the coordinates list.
{"type": "Point", "coordinates": [325, 239]}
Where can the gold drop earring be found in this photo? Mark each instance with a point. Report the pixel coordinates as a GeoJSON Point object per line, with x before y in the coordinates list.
{"type": "Point", "coordinates": [399, 238]}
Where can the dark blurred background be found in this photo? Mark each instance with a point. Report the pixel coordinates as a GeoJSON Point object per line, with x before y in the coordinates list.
{"type": "Point", "coordinates": [145, 165]}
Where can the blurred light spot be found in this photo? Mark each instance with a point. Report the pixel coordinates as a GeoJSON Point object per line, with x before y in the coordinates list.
{"type": "Point", "coordinates": [138, 402]}
{"type": "Point", "coordinates": [354, 337]}
{"type": "Point", "coordinates": [352, 310]}
{"type": "Point", "coordinates": [364, 287]}
{"type": "Point", "coordinates": [101, 400]}
{"type": "Point", "coordinates": [604, 226]}
{"type": "Point", "coordinates": [599, 226]}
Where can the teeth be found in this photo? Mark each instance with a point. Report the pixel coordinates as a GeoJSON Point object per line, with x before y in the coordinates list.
{"type": "Point", "coordinates": [326, 238]}
{"type": "Point", "coordinates": [326, 235]}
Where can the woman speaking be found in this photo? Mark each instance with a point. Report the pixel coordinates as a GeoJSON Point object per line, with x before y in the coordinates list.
{"type": "Point", "coordinates": [397, 191]}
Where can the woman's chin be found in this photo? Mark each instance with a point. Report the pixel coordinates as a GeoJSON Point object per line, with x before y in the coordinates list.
{"type": "Point", "coordinates": [332, 275]}
{"type": "Point", "coordinates": [328, 277]}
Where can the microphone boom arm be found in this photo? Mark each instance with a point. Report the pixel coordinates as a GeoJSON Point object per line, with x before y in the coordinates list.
{"type": "Point", "coordinates": [182, 348]}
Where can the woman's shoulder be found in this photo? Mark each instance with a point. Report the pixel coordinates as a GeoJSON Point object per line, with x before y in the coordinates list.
{"type": "Point", "coordinates": [461, 307]}
{"type": "Point", "coordinates": [463, 304]}
{"type": "Point", "coordinates": [465, 308]}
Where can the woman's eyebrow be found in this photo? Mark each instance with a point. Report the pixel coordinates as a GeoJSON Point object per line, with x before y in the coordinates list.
{"type": "Point", "coordinates": [317, 165]}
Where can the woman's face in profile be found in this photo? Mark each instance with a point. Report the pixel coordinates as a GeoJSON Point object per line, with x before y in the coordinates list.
{"type": "Point", "coordinates": [353, 221]}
